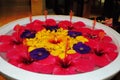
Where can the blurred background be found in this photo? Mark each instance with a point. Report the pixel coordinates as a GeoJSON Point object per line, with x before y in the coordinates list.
{"type": "Point", "coordinates": [104, 10]}
{"type": "Point", "coordinates": [14, 9]}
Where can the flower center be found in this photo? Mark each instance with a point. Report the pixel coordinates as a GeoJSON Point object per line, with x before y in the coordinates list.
{"type": "Point", "coordinates": [65, 64]}
{"type": "Point", "coordinates": [70, 27]}
{"type": "Point", "coordinates": [81, 48]}
{"type": "Point", "coordinates": [99, 52]}
{"type": "Point", "coordinates": [40, 54]}
{"type": "Point", "coordinates": [92, 36]}
{"type": "Point", "coordinates": [16, 42]}
{"type": "Point", "coordinates": [27, 61]}
{"type": "Point", "coordinates": [55, 41]}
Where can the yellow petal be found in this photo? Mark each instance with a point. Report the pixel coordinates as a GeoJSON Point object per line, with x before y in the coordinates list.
{"type": "Point", "coordinates": [54, 53]}
{"type": "Point", "coordinates": [31, 48]}
{"type": "Point", "coordinates": [71, 52]}
{"type": "Point", "coordinates": [82, 39]}
{"type": "Point", "coordinates": [62, 55]}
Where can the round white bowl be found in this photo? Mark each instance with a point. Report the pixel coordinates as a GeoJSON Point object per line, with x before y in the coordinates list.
{"type": "Point", "coordinates": [104, 73]}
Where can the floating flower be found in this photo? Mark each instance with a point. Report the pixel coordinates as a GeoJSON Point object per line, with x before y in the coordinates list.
{"type": "Point", "coordinates": [19, 29]}
{"type": "Point", "coordinates": [36, 26]}
{"type": "Point", "coordinates": [81, 48]}
{"type": "Point", "coordinates": [10, 42]}
{"type": "Point", "coordinates": [50, 22]}
{"type": "Point", "coordinates": [21, 59]}
{"type": "Point", "coordinates": [74, 33]}
{"type": "Point", "coordinates": [78, 25]}
{"type": "Point", "coordinates": [73, 64]}
{"type": "Point", "coordinates": [51, 28]}
{"type": "Point", "coordinates": [94, 35]}
{"type": "Point", "coordinates": [103, 52]}
{"type": "Point", "coordinates": [81, 39]}
{"type": "Point", "coordinates": [39, 54]}
{"type": "Point", "coordinates": [28, 34]}
{"type": "Point", "coordinates": [65, 25]}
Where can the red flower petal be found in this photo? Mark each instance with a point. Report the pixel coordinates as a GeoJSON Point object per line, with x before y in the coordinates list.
{"type": "Point", "coordinates": [84, 31]}
{"type": "Point", "coordinates": [34, 67]}
{"type": "Point", "coordinates": [47, 65]}
{"type": "Point", "coordinates": [5, 47]}
{"type": "Point", "coordinates": [108, 46]}
{"type": "Point", "coordinates": [50, 22]}
{"type": "Point", "coordinates": [17, 27]}
{"type": "Point", "coordinates": [64, 71]}
{"type": "Point", "coordinates": [18, 52]}
{"type": "Point", "coordinates": [49, 60]}
{"type": "Point", "coordinates": [46, 69]}
{"type": "Point", "coordinates": [85, 63]}
{"type": "Point", "coordinates": [101, 61]}
{"type": "Point", "coordinates": [5, 38]}
{"type": "Point", "coordinates": [112, 55]}
{"type": "Point", "coordinates": [36, 25]}
{"type": "Point", "coordinates": [97, 31]}
{"type": "Point", "coordinates": [92, 43]}
{"type": "Point", "coordinates": [78, 25]}
{"type": "Point", "coordinates": [107, 39]}
{"type": "Point", "coordinates": [65, 24]}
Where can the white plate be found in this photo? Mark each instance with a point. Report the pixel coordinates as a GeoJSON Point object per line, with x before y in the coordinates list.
{"type": "Point", "coordinates": [100, 74]}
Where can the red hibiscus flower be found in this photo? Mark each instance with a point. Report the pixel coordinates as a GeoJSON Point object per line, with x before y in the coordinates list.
{"type": "Point", "coordinates": [73, 64]}
{"type": "Point", "coordinates": [36, 25]}
{"type": "Point", "coordinates": [103, 52]}
{"type": "Point", "coordinates": [94, 34]}
{"type": "Point", "coordinates": [47, 65]}
{"type": "Point", "coordinates": [10, 42]}
{"type": "Point", "coordinates": [65, 25]}
{"type": "Point", "coordinates": [78, 25]}
{"type": "Point", "coordinates": [50, 22]}
{"type": "Point", "coordinates": [21, 59]}
{"type": "Point", "coordinates": [19, 28]}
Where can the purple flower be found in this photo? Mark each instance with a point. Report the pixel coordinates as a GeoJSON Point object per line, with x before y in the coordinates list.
{"type": "Point", "coordinates": [52, 28]}
{"type": "Point", "coordinates": [39, 54]}
{"type": "Point", "coordinates": [74, 34]}
{"type": "Point", "coordinates": [28, 34]}
{"type": "Point", "coordinates": [81, 48]}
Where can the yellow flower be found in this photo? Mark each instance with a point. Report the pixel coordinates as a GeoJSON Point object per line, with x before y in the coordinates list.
{"type": "Point", "coordinates": [81, 39]}
{"type": "Point", "coordinates": [31, 48]}
{"type": "Point", "coordinates": [57, 43]}
{"type": "Point", "coordinates": [62, 55]}
{"type": "Point", "coordinates": [71, 51]}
